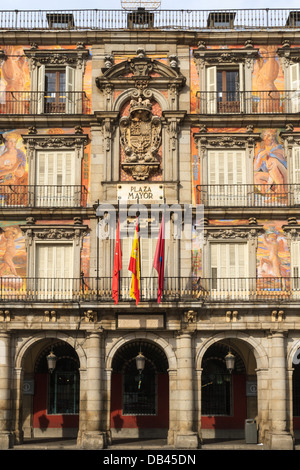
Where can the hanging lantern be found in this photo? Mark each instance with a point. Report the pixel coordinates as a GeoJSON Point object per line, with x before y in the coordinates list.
{"type": "Point", "coordinates": [230, 361]}
{"type": "Point", "coordinates": [140, 362]}
{"type": "Point", "coordinates": [51, 360]}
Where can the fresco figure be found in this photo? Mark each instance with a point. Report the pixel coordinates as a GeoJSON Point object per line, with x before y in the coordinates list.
{"type": "Point", "coordinates": [12, 163]}
{"type": "Point", "coordinates": [7, 243]}
{"type": "Point", "coordinates": [270, 165]}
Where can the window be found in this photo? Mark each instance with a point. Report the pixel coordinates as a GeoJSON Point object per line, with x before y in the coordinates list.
{"type": "Point", "coordinates": [216, 388]}
{"type": "Point", "coordinates": [54, 270]}
{"type": "Point", "coordinates": [63, 388]}
{"type": "Point", "coordinates": [223, 87]}
{"type": "Point", "coordinates": [226, 177]}
{"type": "Point", "coordinates": [55, 179]}
{"type": "Point", "coordinates": [148, 274]}
{"type": "Point", "coordinates": [56, 89]}
{"type": "Point", "coordinates": [139, 390]}
{"type": "Point", "coordinates": [294, 82]}
{"type": "Point", "coordinates": [296, 173]}
{"type": "Point", "coordinates": [229, 269]}
{"type": "Point", "coordinates": [295, 265]}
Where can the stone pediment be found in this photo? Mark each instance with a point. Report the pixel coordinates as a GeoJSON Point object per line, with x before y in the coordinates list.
{"type": "Point", "coordinates": [141, 67]}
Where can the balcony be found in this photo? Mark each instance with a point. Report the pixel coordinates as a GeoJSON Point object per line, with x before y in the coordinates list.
{"type": "Point", "coordinates": [38, 196]}
{"type": "Point", "coordinates": [248, 102]}
{"type": "Point", "coordinates": [36, 102]}
{"type": "Point", "coordinates": [184, 20]}
{"type": "Point", "coordinates": [176, 289]}
{"type": "Point", "coordinates": [249, 195]}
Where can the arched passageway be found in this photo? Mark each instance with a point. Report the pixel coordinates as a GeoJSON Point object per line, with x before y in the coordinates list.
{"type": "Point", "coordinates": [228, 398]}
{"type": "Point", "coordinates": [52, 408]}
{"type": "Point", "coordinates": [139, 400]}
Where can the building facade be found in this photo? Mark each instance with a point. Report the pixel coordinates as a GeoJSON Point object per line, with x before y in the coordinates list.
{"type": "Point", "coordinates": [110, 115]}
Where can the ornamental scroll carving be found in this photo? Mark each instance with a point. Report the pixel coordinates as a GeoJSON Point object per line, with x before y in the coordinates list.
{"type": "Point", "coordinates": [140, 136]}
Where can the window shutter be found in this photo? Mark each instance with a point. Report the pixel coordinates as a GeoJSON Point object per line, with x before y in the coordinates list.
{"type": "Point", "coordinates": [55, 178]}
{"type": "Point", "coordinates": [295, 262]}
{"type": "Point", "coordinates": [229, 268]}
{"type": "Point", "coordinates": [296, 174]}
{"type": "Point", "coordinates": [54, 270]}
{"type": "Point", "coordinates": [211, 88]}
{"type": "Point", "coordinates": [241, 87]}
{"type": "Point", "coordinates": [70, 90]}
{"type": "Point", "coordinates": [226, 170]}
{"type": "Point", "coordinates": [294, 77]}
{"type": "Point", "coordinates": [41, 89]}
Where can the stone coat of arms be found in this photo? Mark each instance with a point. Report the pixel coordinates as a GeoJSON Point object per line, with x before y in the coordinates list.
{"type": "Point", "coordinates": [140, 136]}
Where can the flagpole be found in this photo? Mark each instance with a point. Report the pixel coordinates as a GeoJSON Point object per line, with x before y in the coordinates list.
{"type": "Point", "coordinates": [138, 224]}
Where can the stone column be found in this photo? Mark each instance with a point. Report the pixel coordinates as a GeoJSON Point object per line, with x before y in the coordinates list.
{"type": "Point", "coordinates": [186, 437]}
{"type": "Point", "coordinates": [93, 436]}
{"type": "Point", "coordinates": [280, 438]}
{"type": "Point", "coordinates": [263, 394]}
{"type": "Point", "coordinates": [6, 437]}
{"type": "Point", "coordinates": [172, 405]}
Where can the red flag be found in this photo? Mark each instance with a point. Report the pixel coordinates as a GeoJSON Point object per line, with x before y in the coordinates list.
{"type": "Point", "coordinates": [117, 266]}
{"type": "Point", "coordinates": [159, 259]}
{"type": "Point", "coordinates": [134, 266]}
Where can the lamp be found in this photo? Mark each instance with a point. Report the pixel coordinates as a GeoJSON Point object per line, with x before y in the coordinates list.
{"type": "Point", "coordinates": [51, 361]}
{"type": "Point", "coordinates": [140, 362]}
{"type": "Point", "coordinates": [230, 361]}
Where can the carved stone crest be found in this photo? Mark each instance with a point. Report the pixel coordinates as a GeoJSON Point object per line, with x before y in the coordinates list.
{"type": "Point", "coordinates": [140, 136]}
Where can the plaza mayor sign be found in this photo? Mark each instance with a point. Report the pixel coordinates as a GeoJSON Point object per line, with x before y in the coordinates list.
{"type": "Point", "coordinates": [141, 192]}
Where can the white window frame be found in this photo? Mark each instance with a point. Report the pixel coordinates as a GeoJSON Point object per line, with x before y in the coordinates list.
{"type": "Point", "coordinates": [222, 191]}
{"type": "Point", "coordinates": [49, 190]}
{"type": "Point", "coordinates": [236, 283]}
{"type": "Point", "coordinates": [53, 287]}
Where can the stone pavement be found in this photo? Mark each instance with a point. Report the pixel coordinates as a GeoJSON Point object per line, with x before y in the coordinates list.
{"type": "Point", "coordinates": [134, 444]}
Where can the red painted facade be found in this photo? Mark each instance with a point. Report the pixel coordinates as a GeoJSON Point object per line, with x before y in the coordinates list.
{"type": "Point", "coordinates": [161, 420]}
{"type": "Point", "coordinates": [237, 420]}
{"type": "Point", "coordinates": [40, 418]}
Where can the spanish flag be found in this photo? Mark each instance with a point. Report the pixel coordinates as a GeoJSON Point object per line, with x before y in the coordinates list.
{"type": "Point", "coordinates": [134, 267]}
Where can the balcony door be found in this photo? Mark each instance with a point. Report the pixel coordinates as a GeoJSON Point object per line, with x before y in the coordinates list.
{"type": "Point", "coordinates": [296, 174]}
{"type": "Point", "coordinates": [54, 271]}
{"type": "Point", "coordinates": [229, 270]}
{"type": "Point", "coordinates": [55, 178]}
{"type": "Point", "coordinates": [56, 89]}
{"type": "Point", "coordinates": [148, 273]}
{"type": "Point", "coordinates": [226, 178]}
{"type": "Point", "coordinates": [223, 86]}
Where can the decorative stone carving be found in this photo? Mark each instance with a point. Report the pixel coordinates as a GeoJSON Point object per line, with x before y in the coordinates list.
{"type": "Point", "coordinates": [242, 232]}
{"type": "Point", "coordinates": [190, 316]}
{"type": "Point", "coordinates": [90, 316]}
{"type": "Point", "coordinates": [60, 141]}
{"type": "Point", "coordinates": [231, 316]}
{"type": "Point", "coordinates": [5, 315]}
{"type": "Point", "coordinates": [50, 316]}
{"type": "Point", "coordinates": [54, 233]}
{"type": "Point", "coordinates": [74, 57]}
{"type": "Point", "coordinates": [140, 136]}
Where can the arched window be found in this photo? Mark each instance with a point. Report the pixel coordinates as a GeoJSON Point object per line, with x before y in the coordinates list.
{"type": "Point", "coordinates": [217, 381]}
{"type": "Point", "coordinates": [62, 396]}
{"type": "Point", "coordinates": [216, 388]}
{"type": "Point", "coordinates": [63, 388]}
{"type": "Point", "coordinates": [139, 390]}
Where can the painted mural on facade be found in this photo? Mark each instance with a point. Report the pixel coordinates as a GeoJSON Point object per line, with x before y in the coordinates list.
{"type": "Point", "coordinates": [13, 256]}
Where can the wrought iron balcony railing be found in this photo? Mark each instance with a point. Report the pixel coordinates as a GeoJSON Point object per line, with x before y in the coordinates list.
{"type": "Point", "coordinates": [176, 289]}
{"type": "Point", "coordinates": [18, 196]}
{"type": "Point", "coordinates": [249, 195]}
{"type": "Point", "coordinates": [37, 102]}
{"type": "Point", "coordinates": [243, 19]}
{"type": "Point", "coordinates": [248, 102]}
